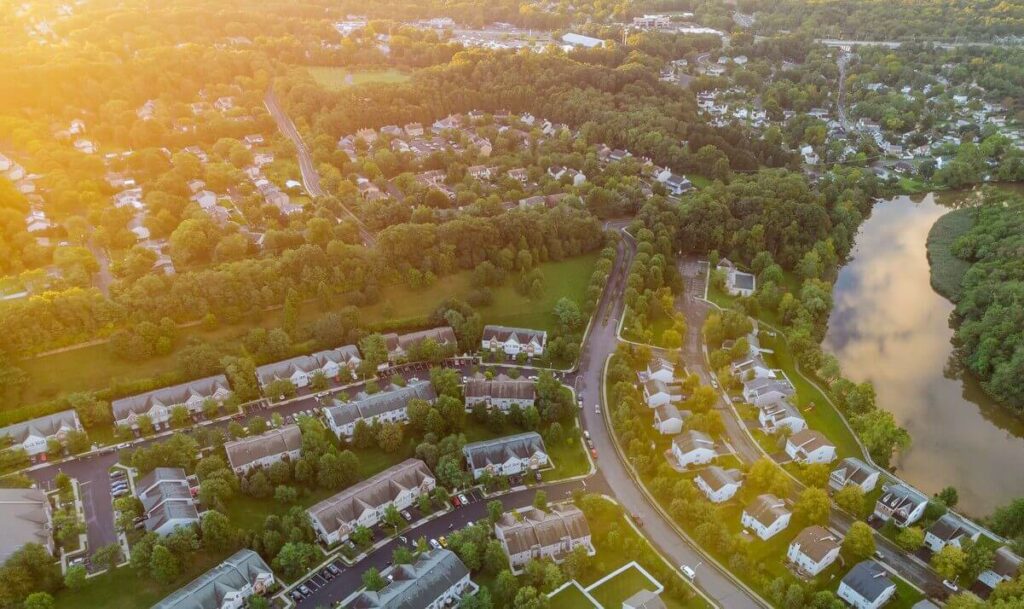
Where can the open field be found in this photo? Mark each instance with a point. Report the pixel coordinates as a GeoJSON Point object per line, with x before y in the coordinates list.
{"type": "Point", "coordinates": [95, 367]}
{"type": "Point", "coordinates": [947, 271]}
{"type": "Point", "coordinates": [336, 78]}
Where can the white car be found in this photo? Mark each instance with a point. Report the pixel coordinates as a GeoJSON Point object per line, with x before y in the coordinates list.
{"type": "Point", "coordinates": [688, 572]}
{"type": "Point", "coordinates": [434, 544]}
{"type": "Point", "coordinates": [597, 408]}
{"type": "Point", "coordinates": [951, 586]}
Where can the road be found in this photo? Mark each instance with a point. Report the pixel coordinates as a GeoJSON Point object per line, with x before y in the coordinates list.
{"type": "Point", "coordinates": [842, 61]}
{"type": "Point", "coordinates": [310, 176]}
{"type": "Point", "coordinates": [103, 277]}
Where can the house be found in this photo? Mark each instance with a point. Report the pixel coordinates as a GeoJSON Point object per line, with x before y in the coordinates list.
{"type": "Point", "coordinates": [364, 503]}
{"type": "Point", "coordinates": [501, 392]}
{"type": "Point", "coordinates": [658, 393]}
{"type": "Point", "coordinates": [766, 516]}
{"type": "Point", "coordinates": [388, 406]}
{"type": "Point", "coordinates": [693, 448]}
{"type": "Point", "coordinates": [85, 146]}
{"type": "Point", "coordinates": [1005, 566]}
{"type": "Point", "coordinates": [407, 346]}
{"type": "Point", "coordinates": [901, 504]}
{"type": "Point", "coordinates": [301, 370]}
{"type": "Point", "coordinates": [719, 485]}
{"type": "Point", "coordinates": [520, 175]}
{"type": "Point", "coordinates": [866, 586]}
{"type": "Point", "coordinates": [226, 586]}
{"type": "Point", "coordinates": [482, 144]}
{"type": "Point", "coordinates": [513, 341]}
{"type": "Point", "coordinates": [264, 450]}
{"type": "Point", "coordinates": [34, 435]}
{"type": "Point", "coordinates": [224, 103]}
{"type": "Point", "coordinates": [668, 419]}
{"type": "Point", "coordinates": [159, 403]}
{"type": "Point", "coordinates": [813, 550]}
{"type": "Point", "coordinates": [810, 446]}
{"type": "Point", "coordinates": [853, 471]}
{"type": "Point", "coordinates": [26, 517]}
{"type": "Point", "coordinates": [437, 579]}
{"type": "Point", "coordinates": [506, 456]}
{"type": "Point", "coordinates": [479, 172]}
{"type": "Point", "coordinates": [578, 40]}
{"type": "Point", "coordinates": [536, 534]}
{"type": "Point", "coordinates": [167, 500]}
{"type": "Point", "coordinates": [414, 130]}
{"type": "Point", "coordinates": [777, 415]}
{"type": "Point", "coordinates": [253, 139]}
{"type": "Point", "coordinates": [810, 157]}
{"type": "Point", "coordinates": [205, 198]}
{"type": "Point", "coordinates": [617, 155]}
{"type": "Point", "coordinates": [652, 21]}
{"type": "Point", "coordinates": [659, 369]}
{"type": "Point", "coordinates": [950, 530]}
{"type": "Point", "coordinates": [761, 391]}
{"type": "Point", "coordinates": [367, 135]}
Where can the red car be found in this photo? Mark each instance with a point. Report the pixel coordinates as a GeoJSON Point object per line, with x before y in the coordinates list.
{"type": "Point", "coordinates": [456, 502]}
{"type": "Point", "coordinates": [593, 452]}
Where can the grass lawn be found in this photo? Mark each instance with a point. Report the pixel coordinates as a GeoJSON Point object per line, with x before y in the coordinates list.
{"type": "Point", "coordinates": [337, 78]}
{"type": "Point", "coordinates": [612, 592]}
{"type": "Point", "coordinates": [95, 368]}
{"type": "Point", "coordinates": [568, 457]}
{"type": "Point", "coordinates": [947, 271]}
{"type": "Point", "coordinates": [572, 597]}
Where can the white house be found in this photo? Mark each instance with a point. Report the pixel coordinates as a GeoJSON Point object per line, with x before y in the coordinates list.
{"type": "Point", "coordinates": [536, 534]}
{"type": "Point", "coordinates": [719, 485]}
{"type": "Point", "coordinates": [950, 530]}
{"type": "Point", "coordinates": [513, 341]}
{"type": "Point", "coordinates": [1005, 566]}
{"type": "Point", "coordinates": [658, 393]}
{"type": "Point", "coordinates": [506, 456]}
{"type": "Point", "coordinates": [813, 550]}
{"type": "Point", "coordinates": [167, 500]}
{"type": "Point", "coordinates": [301, 370]}
{"type": "Point", "coordinates": [901, 504]}
{"type": "Point", "coordinates": [501, 392]}
{"type": "Point", "coordinates": [810, 446]}
{"type": "Point", "coordinates": [760, 391]}
{"type": "Point", "coordinates": [227, 586]}
{"type": "Point", "coordinates": [766, 516]}
{"type": "Point", "coordinates": [853, 471]}
{"type": "Point", "coordinates": [693, 448]}
{"type": "Point", "coordinates": [658, 369]}
{"type": "Point", "coordinates": [867, 586]}
{"type": "Point", "coordinates": [159, 403]}
{"type": "Point", "coordinates": [780, 414]}
{"type": "Point", "coordinates": [264, 450]}
{"type": "Point", "coordinates": [34, 435]}
{"type": "Point", "coordinates": [388, 406]}
{"type": "Point", "coordinates": [401, 347]}
{"type": "Point", "coordinates": [364, 503]}
{"type": "Point", "coordinates": [668, 419]}
{"type": "Point", "coordinates": [436, 580]}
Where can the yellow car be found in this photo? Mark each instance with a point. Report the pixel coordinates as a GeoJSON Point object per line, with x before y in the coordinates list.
{"type": "Point", "coordinates": [444, 542]}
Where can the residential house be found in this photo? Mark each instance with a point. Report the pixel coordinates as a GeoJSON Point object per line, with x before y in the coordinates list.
{"type": "Point", "coordinates": [205, 198]}
{"type": "Point", "coordinates": [668, 419]}
{"type": "Point", "coordinates": [866, 586]}
{"type": "Point", "coordinates": [506, 456]}
{"type": "Point", "coordinates": [264, 450]}
{"type": "Point", "coordinates": [437, 579]}
{"type": "Point", "coordinates": [1006, 566]}
{"type": "Point", "coordinates": [659, 369]}
{"type": "Point", "coordinates": [780, 414]}
{"type": "Point", "coordinates": [809, 446]}
{"type": "Point", "coordinates": [301, 370]}
{"type": "Point", "coordinates": [810, 157]}
{"type": "Point", "coordinates": [479, 172]}
{"type": "Point", "coordinates": [579, 40]}
{"type": "Point", "coordinates": [501, 392]}
{"type": "Point", "coordinates": [519, 175]}
{"type": "Point", "coordinates": [644, 599]}
{"type": "Point", "coordinates": [388, 406]}
{"type": "Point", "coordinates": [159, 403]}
{"type": "Point", "coordinates": [901, 504]}
{"type": "Point", "coordinates": [513, 341]}
{"type": "Point", "coordinates": [854, 471]}
{"type": "Point", "coordinates": [719, 485]}
{"type": "Point", "coordinates": [367, 135]}
{"type": "Point", "coordinates": [167, 501]}
{"type": "Point", "coordinates": [658, 393]}
{"type": "Point", "coordinates": [676, 184]}
{"type": "Point", "coordinates": [414, 130]}
{"type": "Point", "coordinates": [617, 155]}
{"type": "Point", "coordinates": [813, 550]}
{"type": "Point", "coordinates": [364, 503]}
{"type": "Point", "coordinates": [766, 516]}
{"type": "Point", "coordinates": [482, 144]}
{"type": "Point", "coordinates": [537, 534]}
{"type": "Point", "coordinates": [950, 530]}
{"type": "Point", "coordinates": [693, 448]}
{"type": "Point", "coordinates": [224, 103]}
{"type": "Point", "coordinates": [85, 146]}
{"type": "Point", "coordinates": [762, 391]}
{"type": "Point", "coordinates": [227, 586]}
{"type": "Point", "coordinates": [25, 517]}
{"type": "Point", "coordinates": [402, 347]}
{"type": "Point", "coordinates": [34, 435]}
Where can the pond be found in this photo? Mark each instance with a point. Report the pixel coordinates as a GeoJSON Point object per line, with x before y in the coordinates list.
{"type": "Point", "coordinates": [889, 326]}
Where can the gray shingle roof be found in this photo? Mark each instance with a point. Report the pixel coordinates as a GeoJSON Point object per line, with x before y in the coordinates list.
{"type": "Point", "coordinates": [502, 387]}
{"type": "Point", "coordinates": [691, 440]}
{"type": "Point", "coordinates": [373, 492]}
{"type": "Point", "coordinates": [22, 519]}
{"type": "Point", "coordinates": [274, 442]}
{"type": "Point", "coordinates": [539, 528]}
{"type": "Point", "coordinates": [853, 470]}
{"type": "Point", "coordinates": [43, 426]}
{"type": "Point", "coordinates": [208, 590]}
{"type": "Point", "coordinates": [169, 396]}
{"type": "Point", "coordinates": [499, 450]}
{"type": "Point", "coordinates": [307, 363]}
{"type": "Point", "coordinates": [521, 335]}
{"type": "Point", "coordinates": [868, 579]}
{"type": "Point", "coordinates": [716, 478]}
{"type": "Point", "coordinates": [816, 542]}
{"type": "Point", "coordinates": [417, 585]}
{"type": "Point", "coordinates": [367, 406]}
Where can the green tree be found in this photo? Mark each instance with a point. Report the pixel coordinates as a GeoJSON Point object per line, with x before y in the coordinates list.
{"type": "Point", "coordinates": [218, 533]}
{"type": "Point", "coordinates": [108, 556]}
{"type": "Point", "coordinates": [851, 499]}
{"type": "Point", "coordinates": [295, 558]}
{"type": "Point", "coordinates": [910, 538]}
{"type": "Point", "coordinates": [814, 506]}
{"type": "Point", "coordinates": [949, 561]}
{"type": "Point", "coordinates": [163, 565]}
{"type": "Point", "coordinates": [495, 509]}
{"type": "Point", "coordinates": [39, 600]}
{"type": "Point", "coordinates": [859, 542]}
{"type": "Point", "coordinates": [540, 500]}
{"type": "Point", "coordinates": [373, 580]}
{"type": "Point", "coordinates": [361, 536]}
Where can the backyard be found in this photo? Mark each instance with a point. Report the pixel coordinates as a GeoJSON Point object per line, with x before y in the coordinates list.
{"type": "Point", "coordinates": [337, 78]}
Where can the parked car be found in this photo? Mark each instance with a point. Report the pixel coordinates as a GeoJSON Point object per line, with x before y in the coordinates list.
{"type": "Point", "coordinates": [593, 452]}
{"type": "Point", "coordinates": [304, 589]}
{"type": "Point", "coordinates": [333, 568]}
{"type": "Point", "coordinates": [407, 515]}
{"type": "Point", "coordinates": [462, 499]}
{"type": "Point", "coordinates": [586, 434]}
{"type": "Point", "coordinates": [296, 596]}
{"type": "Point", "coordinates": [444, 542]}
{"type": "Point", "coordinates": [951, 586]}
{"type": "Point", "coordinates": [597, 409]}
{"type": "Point", "coordinates": [455, 501]}
{"type": "Point", "coordinates": [435, 544]}
{"type": "Point", "coordinates": [688, 572]}
{"type": "Point", "coordinates": [117, 473]}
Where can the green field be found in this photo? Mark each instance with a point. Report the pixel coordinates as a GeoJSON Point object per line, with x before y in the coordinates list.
{"type": "Point", "coordinates": [337, 78]}
{"type": "Point", "coordinates": [94, 368]}
{"type": "Point", "coordinates": [572, 597]}
{"type": "Point", "coordinates": [947, 271]}
{"type": "Point", "coordinates": [612, 592]}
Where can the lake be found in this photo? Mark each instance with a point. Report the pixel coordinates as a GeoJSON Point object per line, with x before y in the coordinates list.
{"type": "Point", "coordinates": [889, 326]}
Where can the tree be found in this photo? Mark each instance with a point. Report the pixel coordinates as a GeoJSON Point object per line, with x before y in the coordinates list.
{"type": "Point", "coordinates": [218, 533]}
{"type": "Point", "coordinates": [567, 312]}
{"type": "Point", "coordinates": [361, 536]}
{"type": "Point", "coordinates": [949, 561]}
{"type": "Point", "coordinates": [373, 580]}
{"type": "Point", "coordinates": [814, 506]}
{"type": "Point", "coordinates": [880, 434]}
{"type": "Point", "coordinates": [163, 565]}
{"type": "Point", "coordinates": [393, 518]}
{"type": "Point", "coordinates": [910, 538]}
{"type": "Point", "coordinates": [39, 600]}
{"type": "Point", "coordinates": [495, 509]}
{"type": "Point", "coordinates": [851, 499]}
{"type": "Point", "coordinates": [75, 577]}
{"type": "Point", "coordinates": [107, 556]}
{"type": "Point", "coordinates": [859, 542]}
{"type": "Point", "coordinates": [295, 558]}
{"type": "Point", "coordinates": [180, 416]}
{"type": "Point", "coordinates": [389, 437]}
{"type": "Point", "coordinates": [540, 500]}
{"type": "Point", "coordinates": [948, 496]}
{"type": "Point", "coordinates": [765, 476]}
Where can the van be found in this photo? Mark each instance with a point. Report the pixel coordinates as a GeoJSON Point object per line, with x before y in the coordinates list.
{"type": "Point", "coordinates": [688, 572]}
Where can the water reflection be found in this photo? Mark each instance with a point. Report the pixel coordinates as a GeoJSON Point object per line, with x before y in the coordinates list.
{"type": "Point", "coordinates": [890, 327]}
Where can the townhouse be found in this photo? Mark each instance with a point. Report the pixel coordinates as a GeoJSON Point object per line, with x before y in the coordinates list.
{"type": "Point", "coordinates": [159, 403]}
{"type": "Point", "coordinates": [866, 586]}
{"type": "Point", "coordinates": [167, 500]}
{"type": "Point", "coordinates": [810, 446]}
{"type": "Point", "coordinates": [227, 586]}
{"type": "Point", "coordinates": [264, 450]}
{"type": "Point", "coordinates": [513, 341]}
{"type": "Point", "coordinates": [301, 370]}
{"type": "Point", "coordinates": [693, 448]}
{"type": "Point", "coordinates": [500, 392]}
{"type": "Point", "coordinates": [537, 534]}
{"type": "Point", "coordinates": [34, 435]}
{"type": "Point", "coordinates": [405, 346]}
{"type": "Point", "coordinates": [719, 485]}
{"type": "Point", "coordinates": [853, 471]}
{"type": "Point", "coordinates": [388, 406]}
{"type": "Point", "coordinates": [364, 503]}
{"type": "Point", "coordinates": [813, 550]}
{"type": "Point", "coordinates": [25, 517]}
{"type": "Point", "coordinates": [435, 580]}
{"type": "Point", "coordinates": [507, 456]}
{"type": "Point", "coordinates": [901, 504]}
{"type": "Point", "coordinates": [766, 516]}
